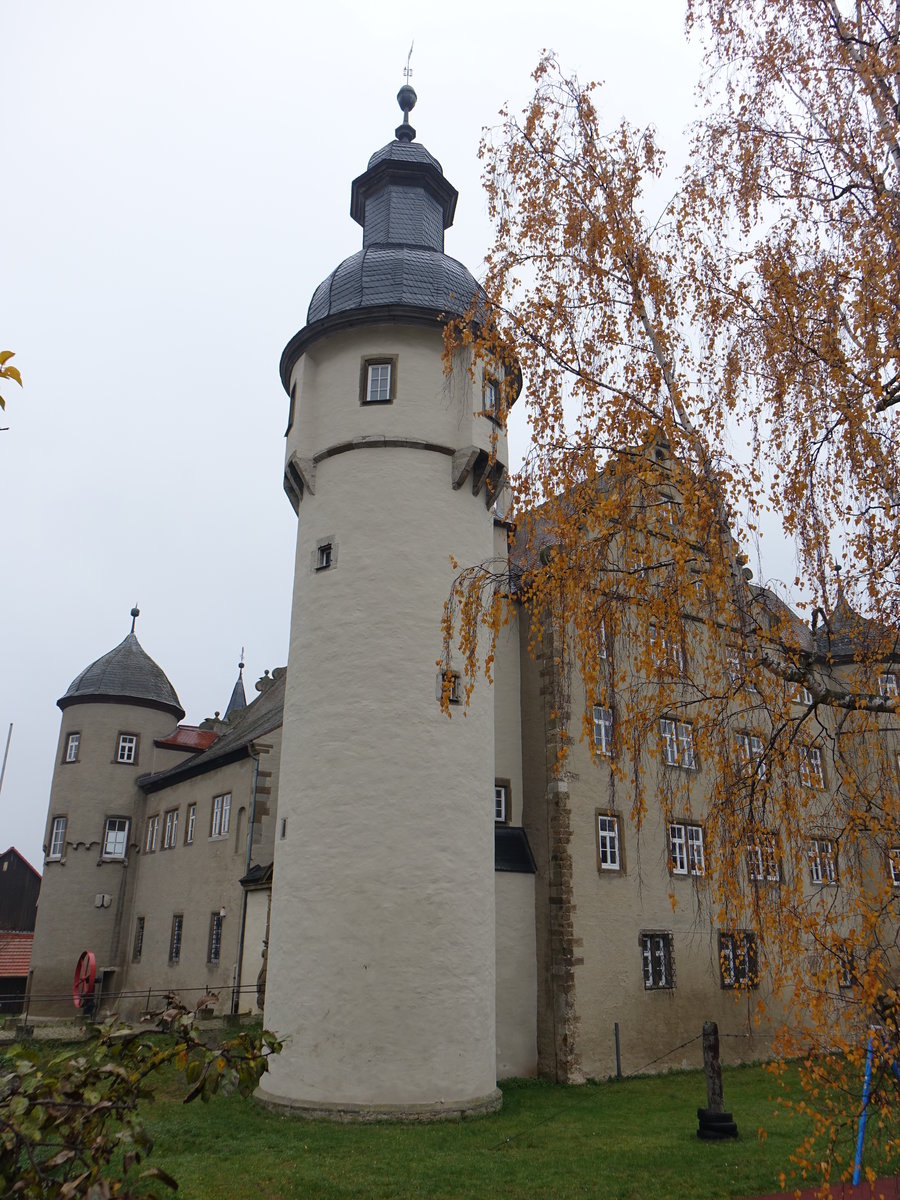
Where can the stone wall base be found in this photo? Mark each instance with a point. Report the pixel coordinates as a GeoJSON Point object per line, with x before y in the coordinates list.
{"type": "Point", "coordinates": [317, 1110]}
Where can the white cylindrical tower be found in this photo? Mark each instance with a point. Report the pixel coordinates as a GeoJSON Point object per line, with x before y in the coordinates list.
{"type": "Point", "coordinates": [381, 951]}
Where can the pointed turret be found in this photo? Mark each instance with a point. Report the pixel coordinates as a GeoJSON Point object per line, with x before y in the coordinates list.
{"type": "Point", "coordinates": [238, 699]}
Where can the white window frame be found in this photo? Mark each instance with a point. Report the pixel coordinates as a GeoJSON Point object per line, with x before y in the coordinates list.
{"type": "Point", "coordinates": [763, 864]}
{"type": "Point", "coordinates": [73, 741]}
{"type": "Point", "coordinates": [500, 797]}
{"type": "Point", "coordinates": [454, 695]}
{"type": "Point", "coordinates": [603, 730]}
{"type": "Point", "coordinates": [751, 755]}
{"type": "Point", "coordinates": [491, 397]}
{"type": "Point", "coordinates": [58, 837]}
{"type": "Point", "coordinates": [887, 685]}
{"type": "Point", "coordinates": [115, 837]}
{"type": "Point", "coordinates": [609, 850]}
{"type": "Point", "coordinates": [822, 854]}
{"type": "Point", "coordinates": [812, 773]}
{"type": "Point", "coordinates": [686, 849]}
{"type": "Point", "coordinates": [191, 822]}
{"type": "Point", "coordinates": [734, 665]}
{"type": "Point", "coordinates": [221, 816]}
{"type": "Point", "coordinates": [657, 962]}
{"type": "Point", "coordinates": [668, 507]}
{"type": "Point", "coordinates": [151, 841]}
{"type": "Point", "coordinates": [379, 379]}
{"type": "Point", "coordinates": [126, 748]}
{"type": "Point", "coordinates": [324, 556]}
{"type": "Point", "coordinates": [170, 829]}
{"type": "Point", "coordinates": [894, 865]}
{"type": "Point", "coordinates": [678, 743]}
{"type": "Point", "coordinates": [738, 960]}
{"type": "Point", "coordinates": [668, 651]}
{"type": "Point", "coordinates": [802, 695]}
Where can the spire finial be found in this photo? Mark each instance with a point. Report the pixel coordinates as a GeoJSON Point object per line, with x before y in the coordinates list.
{"type": "Point", "coordinates": [406, 98]}
{"type": "Point", "coordinates": [241, 663]}
{"type": "Point", "coordinates": [135, 613]}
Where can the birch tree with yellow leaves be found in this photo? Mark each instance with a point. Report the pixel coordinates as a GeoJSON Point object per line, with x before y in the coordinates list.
{"type": "Point", "coordinates": [689, 372]}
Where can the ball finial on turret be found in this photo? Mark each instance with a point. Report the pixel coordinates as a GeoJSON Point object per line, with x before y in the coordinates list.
{"type": "Point", "coordinates": [406, 98]}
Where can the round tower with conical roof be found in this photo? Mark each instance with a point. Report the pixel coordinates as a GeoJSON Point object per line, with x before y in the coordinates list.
{"type": "Point", "coordinates": [381, 951]}
{"type": "Point", "coordinates": [111, 714]}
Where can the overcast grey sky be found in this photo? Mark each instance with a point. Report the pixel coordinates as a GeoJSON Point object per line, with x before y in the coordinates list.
{"type": "Point", "coordinates": [176, 182]}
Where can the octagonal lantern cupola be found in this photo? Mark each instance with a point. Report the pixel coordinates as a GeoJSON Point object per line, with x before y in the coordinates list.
{"type": "Point", "coordinates": [403, 203]}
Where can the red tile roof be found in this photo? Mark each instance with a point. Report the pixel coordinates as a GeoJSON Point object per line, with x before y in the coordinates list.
{"type": "Point", "coordinates": [15, 954]}
{"type": "Point", "coordinates": [188, 737]}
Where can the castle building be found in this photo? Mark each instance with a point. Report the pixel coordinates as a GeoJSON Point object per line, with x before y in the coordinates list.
{"type": "Point", "coordinates": [419, 905]}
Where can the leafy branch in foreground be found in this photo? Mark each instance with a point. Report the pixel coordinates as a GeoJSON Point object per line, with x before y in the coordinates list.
{"type": "Point", "coordinates": [72, 1126]}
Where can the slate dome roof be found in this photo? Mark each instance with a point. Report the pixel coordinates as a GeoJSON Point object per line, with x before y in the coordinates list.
{"type": "Point", "coordinates": [128, 675]}
{"type": "Point", "coordinates": [404, 203]}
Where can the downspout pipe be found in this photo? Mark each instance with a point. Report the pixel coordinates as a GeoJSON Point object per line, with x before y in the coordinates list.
{"type": "Point", "coordinates": [236, 995]}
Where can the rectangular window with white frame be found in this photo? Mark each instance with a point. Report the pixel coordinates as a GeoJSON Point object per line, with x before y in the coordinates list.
{"type": "Point", "coordinates": [221, 816]}
{"type": "Point", "coordinates": [175, 939]}
{"type": "Point", "coordinates": [762, 858]}
{"type": "Point", "coordinates": [501, 802]}
{"type": "Point", "coordinates": [115, 837]}
{"type": "Point", "coordinates": [214, 948]}
{"type": "Point", "coordinates": [751, 755]}
{"type": "Point", "coordinates": [894, 865]}
{"type": "Point", "coordinates": [73, 741]}
{"type": "Point", "coordinates": [686, 851]}
{"type": "Point", "coordinates": [678, 743]}
{"type": "Point", "coordinates": [151, 841]}
{"type": "Point", "coordinates": [603, 730]}
{"type": "Point", "coordinates": [378, 381]}
{"type": "Point", "coordinates": [802, 695]}
{"type": "Point", "coordinates": [887, 685]}
{"type": "Point", "coordinates": [170, 829]}
{"type": "Point", "coordinates": [127, 748]}
{"type": "Point", "coordinates": [609, 849]}
{"type": "Point", "coordinates": [667, 650]}
{"type": "Point", "coordinates": [189, 824]}
{"type": "Point", "coordinates": [822, 861]}
{"type": "Point", "coordinates": [656, 960]}
{"type": "Point", "coordinates": [57, 837]}
{"type": "Point", "coordinates": [812, 773]}
{"type": "Point", "coordinates": [738, 963]}
{"type": "Point", "coordinates": [491, 398]}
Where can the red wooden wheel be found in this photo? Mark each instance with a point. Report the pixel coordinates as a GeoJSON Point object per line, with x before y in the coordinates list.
{"type": "Point", "coordinates": [83, 983]}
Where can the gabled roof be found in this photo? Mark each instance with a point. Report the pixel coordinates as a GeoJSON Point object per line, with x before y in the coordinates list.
{"type": "Point", "coordinates": [22, 859]}
{"type": "Point", "coordinates": [126, 675]}
{"type": "Point", "coordinates": [243, 728]}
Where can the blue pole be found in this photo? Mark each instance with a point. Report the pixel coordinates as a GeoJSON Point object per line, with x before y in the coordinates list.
{"type": "Point", "coordinates": [860, 1137]}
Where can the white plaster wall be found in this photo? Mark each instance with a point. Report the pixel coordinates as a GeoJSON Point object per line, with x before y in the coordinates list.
{"type": "Point", "coordinates": [516, 975]}
{"type": "Point", "coordinates": [428, 405]}
{"type": "Point", "coordinates": [382, 939]}
{"type": "Point", "coordinates": [254, 937]}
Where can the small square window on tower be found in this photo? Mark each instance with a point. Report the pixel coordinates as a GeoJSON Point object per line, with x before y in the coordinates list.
{"type": "Point", "coordinates": [378, 381]}
{"type": "Point", "coordinates": [323, 556]}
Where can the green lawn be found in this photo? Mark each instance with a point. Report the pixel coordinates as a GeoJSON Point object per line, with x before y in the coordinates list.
{"type": "Point", "coordinates": [629, 1139]}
